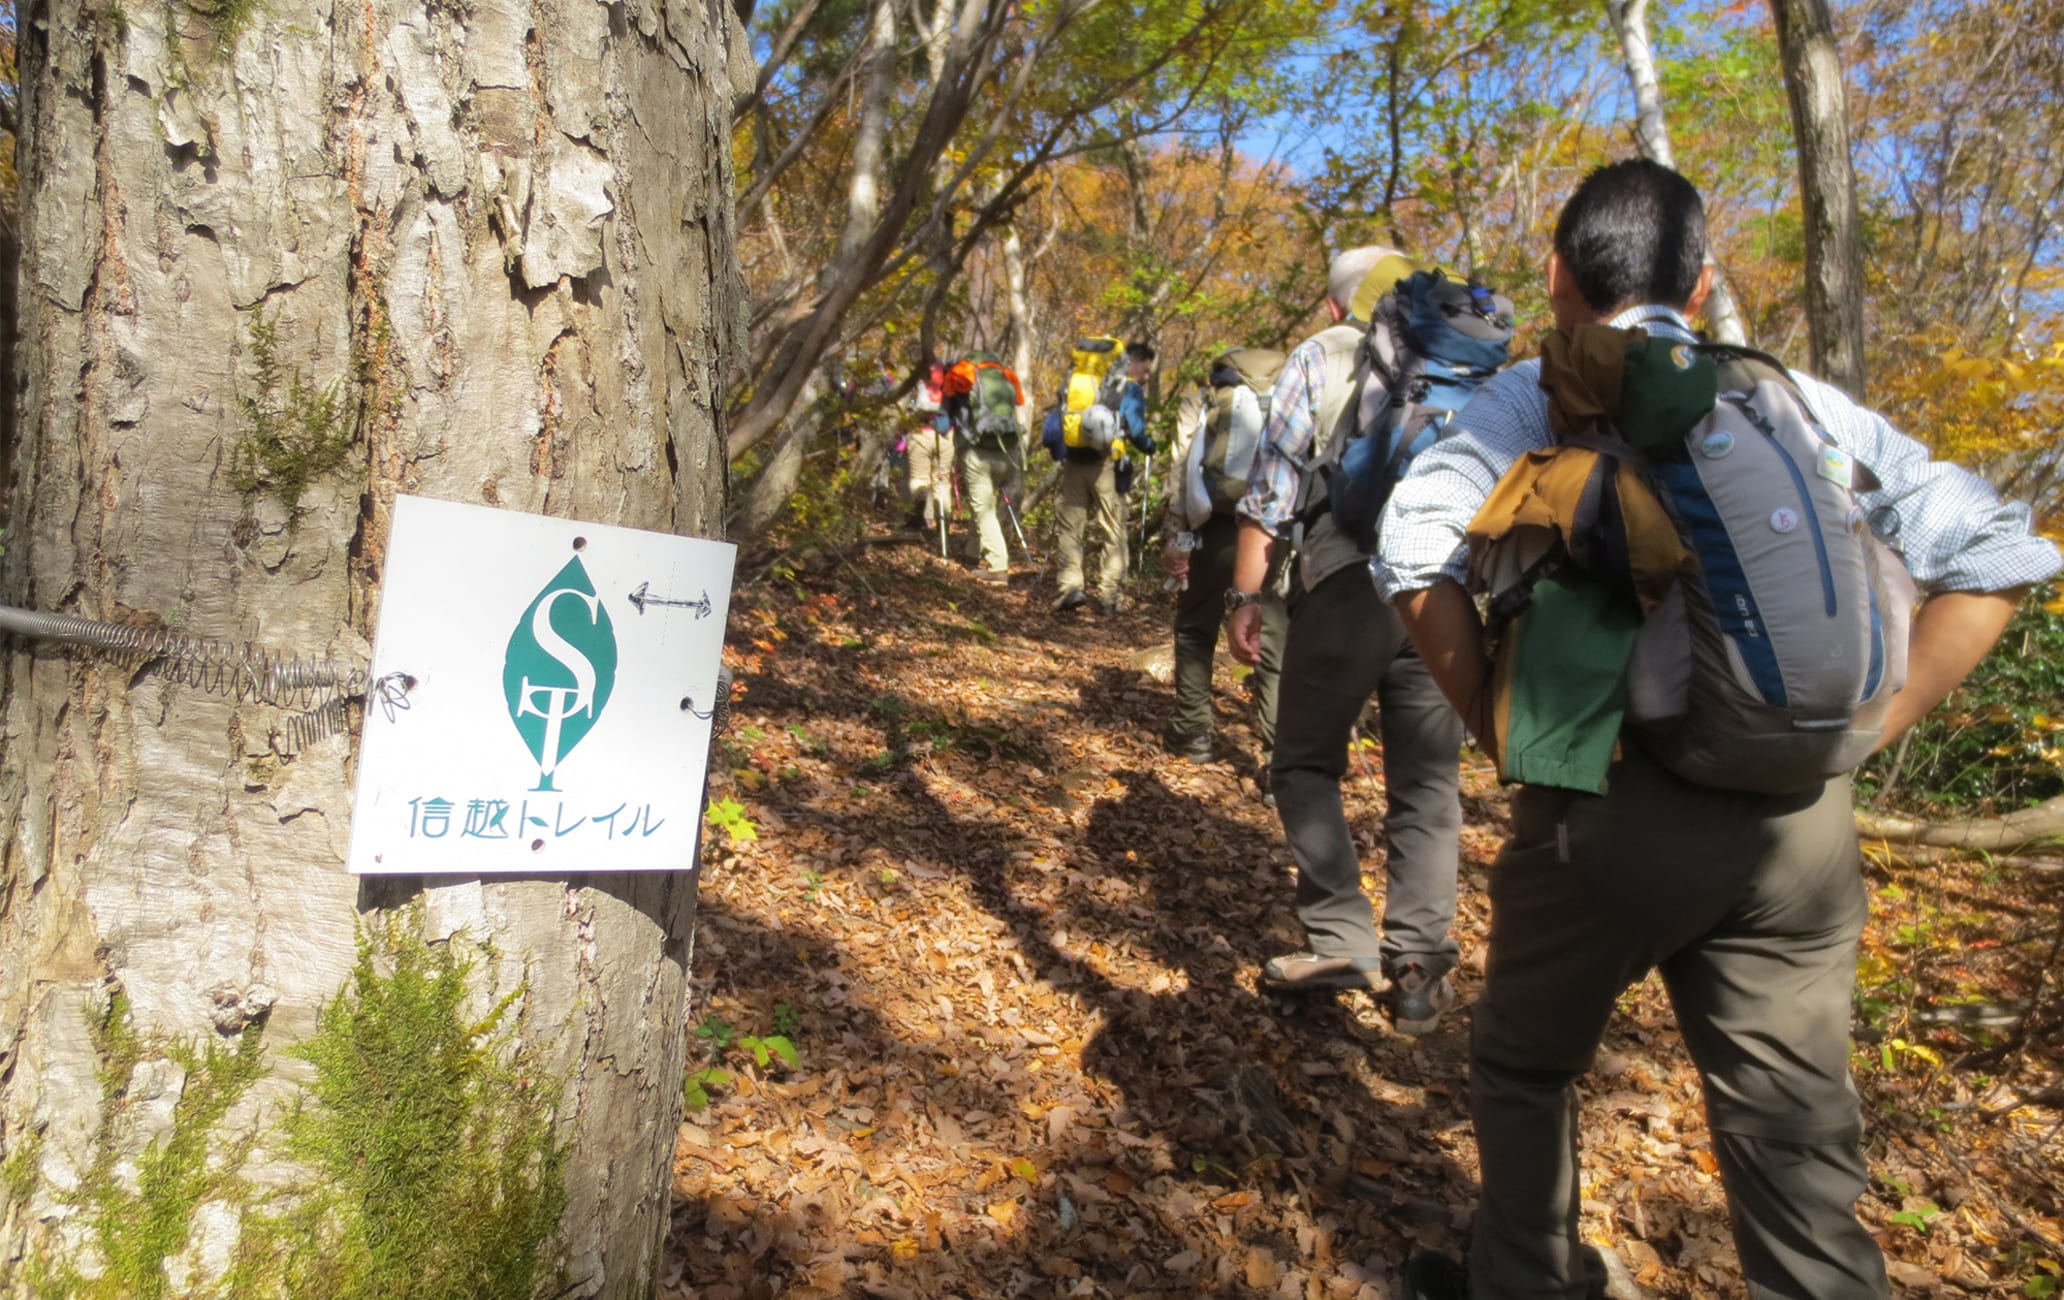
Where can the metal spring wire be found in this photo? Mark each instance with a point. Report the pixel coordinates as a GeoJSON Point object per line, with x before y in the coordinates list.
{"type": "Point", "coordinates": [237, 672]}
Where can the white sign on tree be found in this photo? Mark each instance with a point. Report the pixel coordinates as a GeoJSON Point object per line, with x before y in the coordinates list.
{"type": "Point", "coordinates": [543, 695]}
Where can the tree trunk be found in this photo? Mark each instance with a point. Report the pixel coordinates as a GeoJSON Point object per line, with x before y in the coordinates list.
{"type": "Point", "coordinates": [1020, 306]}
{"type": "Point", "coordinates": [863, 193]}
{"type": "Point", "coordinates": [1827, 191]}
{"type": "Point", "coordinates": [778, 478]}
{"type": "Point", "coordinates": [1652, 134]}
{"type": "Point", "coordinates": [280, 263]}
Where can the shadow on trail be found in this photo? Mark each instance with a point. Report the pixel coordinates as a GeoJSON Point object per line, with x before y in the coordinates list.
{"type": "Point", "coordinates": [1142, 905]}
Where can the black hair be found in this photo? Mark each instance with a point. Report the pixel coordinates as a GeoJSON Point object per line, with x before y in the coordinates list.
{"type": "Point", "coordinates": [1139, 350]}
{"type": "Point", "coordinates": [1634, 232]}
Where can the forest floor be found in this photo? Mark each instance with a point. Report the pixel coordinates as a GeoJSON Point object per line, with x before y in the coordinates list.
{"type": "Point", "coordinates": [1014, 946]}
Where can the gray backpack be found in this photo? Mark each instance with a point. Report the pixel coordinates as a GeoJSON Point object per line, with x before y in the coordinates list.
{"type": "Point", "coordinates": [1234, 415]}
{"type": "Point", "coordinates": [1770, 669]}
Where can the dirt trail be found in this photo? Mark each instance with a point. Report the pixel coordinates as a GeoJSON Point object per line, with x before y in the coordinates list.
{"type": "Point", "coordinates": [1015, 946]}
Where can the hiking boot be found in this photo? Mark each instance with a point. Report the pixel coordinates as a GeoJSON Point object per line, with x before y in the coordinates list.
{"type": "Point", "coordinates": [994, 577]}
{"type": "Point", "coordinates": [1195, 749]}
{"type": "Point", "coordinates": [1418, 998]}
{"type": "Point", "coordinates": [1429, 1276]}
{"type": "Point", "coordinates": [1072, 598]}
{"type": "Point", "coordinates": [1306, 972]}
{"type": "Point", "coordinates": [1109, 606]}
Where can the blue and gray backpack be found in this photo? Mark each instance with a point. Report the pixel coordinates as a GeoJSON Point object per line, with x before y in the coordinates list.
{"type": "Point", "coordinates": [1432, 340]}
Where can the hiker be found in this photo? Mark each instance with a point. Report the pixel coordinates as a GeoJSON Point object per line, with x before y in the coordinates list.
{"type": "Point", "coordinates": [1695, 814]}
{"type": "Point", "coordinates": [983, 397]}
{"type": "Point", "coordinates": [1104, 420]}
{"type": "Point", "coordinates": [1218, 430]}
{"type": "Point", "coordinates": [929, 450]}
{"type": "Point", "coordinates": [1345, 645]}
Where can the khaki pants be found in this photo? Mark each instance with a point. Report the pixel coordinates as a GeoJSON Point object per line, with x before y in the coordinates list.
{"type": "Point", "coordinates": [1344, 645]}
{"type": "Point", "coordinates": [987, 474]}
{"type": "Point", "coordinates": [1092, 515]}
{"type": "Point", "coordinates": [1199, 610]}
{"type": "Point", "coordinates": [931, 472]}
{"type": "Point", "coordinates": [1750, 906]}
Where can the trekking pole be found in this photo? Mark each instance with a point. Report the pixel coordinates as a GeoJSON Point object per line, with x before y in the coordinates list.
{"type": "Point", "coordinates": [1017, 528]}
{"type": "Point", "coordinates": [1139, 555]}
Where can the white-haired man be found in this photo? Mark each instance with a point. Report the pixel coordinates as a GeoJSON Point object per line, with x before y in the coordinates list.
{"type": "Point", "coordinates": [1344, 645]}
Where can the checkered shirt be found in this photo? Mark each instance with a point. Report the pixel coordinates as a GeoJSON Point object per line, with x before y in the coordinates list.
{"type": "Point", "coordinates": [1273, 479]}
{"type": "Point", "coordinates": [1950, 526]}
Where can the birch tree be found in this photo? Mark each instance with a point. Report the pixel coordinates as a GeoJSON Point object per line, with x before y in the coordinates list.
{"type": "Point", "coordinates": [280, 263]}
{"type": "Point", "coordinates": [1652, 134]}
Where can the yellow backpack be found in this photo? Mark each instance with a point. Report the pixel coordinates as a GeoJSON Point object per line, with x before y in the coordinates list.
{"type": "Point", "coordinates": [1094, 384]}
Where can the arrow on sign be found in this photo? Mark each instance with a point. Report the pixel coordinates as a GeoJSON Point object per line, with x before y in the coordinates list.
{"type": "Point", "coordinates": [640, 599]}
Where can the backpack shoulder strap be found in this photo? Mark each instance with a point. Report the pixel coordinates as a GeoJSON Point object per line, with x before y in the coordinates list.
{"type": "Point", "coordinates": [1761, 365]}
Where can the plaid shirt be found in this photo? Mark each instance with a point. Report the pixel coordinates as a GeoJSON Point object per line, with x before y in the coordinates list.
{"type": "Point", "coordinates": [1273, 479]}
{"type": "Point", "coordinates": [1950, 526]}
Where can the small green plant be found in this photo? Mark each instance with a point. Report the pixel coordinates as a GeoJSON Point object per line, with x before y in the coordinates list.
{"type": "Point", "coordinates": [813, 884]}
{"type": "Point", "coordinates": [291, 432]}
{"type": "Point", "coordinates": [722, 1036]}
{"type": "Point", "coordinates": [1997, 743]}
{"type": "Point", "coordinates": [137, 1230]}
{"type": "Point", "coordinates": [773, 1046]}
{"type": "Point", "coordinates": [881, 764]}
{"type": "Point", "coordinates": [728, 816]}
{"type": "Point", "coordinates": [1917, 1218]}
{"type": "Point", "coordinates": [716, 1030]}
{"type": "Point", "coordinates": [888, 877]}
{"type": "Point", "coordinates": [423, 1114]}
{"type": "Point", "coordinates": [695, 1089]}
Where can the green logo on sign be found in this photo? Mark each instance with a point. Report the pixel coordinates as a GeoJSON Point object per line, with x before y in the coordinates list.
{"type": "Point", "coordinates": [560, 668]}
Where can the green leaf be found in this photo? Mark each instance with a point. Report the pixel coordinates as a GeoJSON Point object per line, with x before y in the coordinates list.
{"type": "Point", "coordinates": [560, 668]}
{"type": "Point", "coordinates": [781, 1047]}
{"type": "Point", "coordinates": [728, 815]}
{"type": "Point", "coordinates": [695, 1088]}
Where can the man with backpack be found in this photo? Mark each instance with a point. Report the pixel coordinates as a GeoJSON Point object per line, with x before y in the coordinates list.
{"type": "Point", "coordinates": [1358, 385]}
{"type": "Point", "coordinates": [1731, 638]}
{"type": "Point", "coordinates": [928, 450]}
{"type": "Point", "coordinates": [1217, 435]}
{"type": "Point", "coordinates": [983, 397]}
{"type": "Point", "coordinates": [1103, 420]}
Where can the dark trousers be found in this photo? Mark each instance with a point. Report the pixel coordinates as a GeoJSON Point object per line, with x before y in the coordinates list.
{"type": "Point", "coordinates": [1346, 644]}
{"type": "Point", "coordinates": [1750, 905]}
{"type": "Point", "coordinates": [1199, 609]}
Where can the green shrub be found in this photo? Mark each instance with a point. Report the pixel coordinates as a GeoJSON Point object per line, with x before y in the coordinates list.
{"type": "Point", "coordinates": [1997, 744]}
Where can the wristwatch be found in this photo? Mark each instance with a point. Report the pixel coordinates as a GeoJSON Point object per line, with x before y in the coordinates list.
{"type": "Point", "coordinates": [1238, 599]}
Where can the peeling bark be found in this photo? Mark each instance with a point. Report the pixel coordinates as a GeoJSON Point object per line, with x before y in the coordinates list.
{"type": "Point", "coordinates": [504, 236]}
{"type": "Point", "coordinates": [1827, 190]}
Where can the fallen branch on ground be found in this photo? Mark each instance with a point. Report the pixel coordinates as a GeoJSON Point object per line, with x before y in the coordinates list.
{"type": "Point", "coordinates": [1924, 855]}
{"type": "Point", "coordinates": [2016, 830]}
